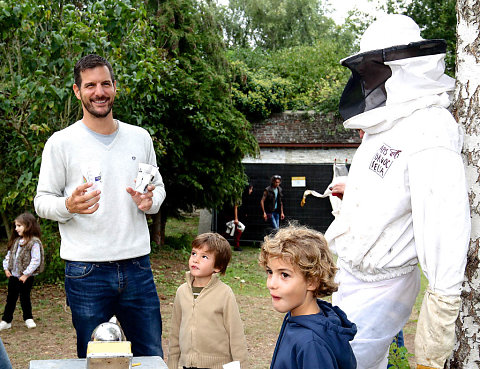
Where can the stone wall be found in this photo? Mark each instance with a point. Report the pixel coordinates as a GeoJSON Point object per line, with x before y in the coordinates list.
{"type": "Point", "coordinates": [303, 138]}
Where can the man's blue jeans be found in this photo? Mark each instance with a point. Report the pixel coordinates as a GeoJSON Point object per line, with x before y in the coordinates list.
{"type": "Point", "coordinates": [97, 291]}
{"type": "Point", "coordinates": [274, 220]}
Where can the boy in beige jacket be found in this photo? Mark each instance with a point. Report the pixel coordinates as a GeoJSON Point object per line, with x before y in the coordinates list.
{"type": "Point", "coordinates": [207, 330]}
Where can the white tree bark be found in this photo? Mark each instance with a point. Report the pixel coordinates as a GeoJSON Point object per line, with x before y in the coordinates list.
{"type": "Point", "coordinates": [467, 112]}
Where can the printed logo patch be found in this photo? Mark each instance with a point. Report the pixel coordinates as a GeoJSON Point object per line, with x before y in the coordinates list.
{"type": "Point", "coordinates": [383, 160]}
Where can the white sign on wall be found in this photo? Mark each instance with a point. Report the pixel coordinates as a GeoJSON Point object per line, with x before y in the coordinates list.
{"type": "Point", "coordinates": [298, 182]}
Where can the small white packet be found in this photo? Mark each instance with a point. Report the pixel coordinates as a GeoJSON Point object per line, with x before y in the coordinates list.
{"type": "Point", "coordinates": [145, 175]}
{"type": "Point", "coordinates": [232, 365]}
{"type": "Point", "coordinates": [92, 172]}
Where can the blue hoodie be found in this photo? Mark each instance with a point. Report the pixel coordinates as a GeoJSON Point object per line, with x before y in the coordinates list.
{"type": "Point", "coordinates": [316, 341]}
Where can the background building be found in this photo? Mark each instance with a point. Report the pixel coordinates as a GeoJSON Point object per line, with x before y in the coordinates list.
{"type": "Point", "coordinates": [301, 147]}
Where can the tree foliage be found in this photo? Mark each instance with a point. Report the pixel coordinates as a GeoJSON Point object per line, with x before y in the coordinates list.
{"type": "Point", "coordinates": [171, 74]}
{"type": "Point", "coordinates": [305, 77]}
{"type": "Point", "coordinates": [436, 18]}
{"type": "Point", "coordinates": [274, 24]}
{"type": "Point", "coordinates": [285, 55]}
{"type": "Point", "coordinates": [201, 135]}
{"type": "Point", "coordinates": [258, 94]}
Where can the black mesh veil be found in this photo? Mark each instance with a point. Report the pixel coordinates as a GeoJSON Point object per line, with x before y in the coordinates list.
{"type": "Point", "coordinates": [365, 90]}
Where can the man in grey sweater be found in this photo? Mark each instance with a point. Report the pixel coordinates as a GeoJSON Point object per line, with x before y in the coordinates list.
{"type": "Point", "coordinates": [86, 183]}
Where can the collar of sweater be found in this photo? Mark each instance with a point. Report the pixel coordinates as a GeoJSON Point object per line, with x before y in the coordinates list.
{"type": "Point", "coordinates": [214, 280]}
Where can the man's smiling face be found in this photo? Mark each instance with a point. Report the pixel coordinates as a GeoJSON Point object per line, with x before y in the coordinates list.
{"type": "Point", "coordinates": [97, 91]}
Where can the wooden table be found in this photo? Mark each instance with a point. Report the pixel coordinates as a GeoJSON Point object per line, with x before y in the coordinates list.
{"type": "Point", "coordinates": [146, 362]}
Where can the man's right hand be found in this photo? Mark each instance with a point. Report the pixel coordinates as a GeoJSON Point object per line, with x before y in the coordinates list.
{"type": "Point", "coordinates": [81, 202]}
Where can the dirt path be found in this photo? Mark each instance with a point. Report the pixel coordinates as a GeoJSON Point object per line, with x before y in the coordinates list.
{"type": "Point", "coordinates": [54, 337]}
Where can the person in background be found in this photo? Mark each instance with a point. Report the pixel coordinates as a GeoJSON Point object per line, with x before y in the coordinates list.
{"type": "Point", "coordinates": [86, 184]}
{"type": "Point", "coordinates": [24, 260]}
{"type": "Point", "coordinates": [207, 330]}
{"type": "Point", "coordinates": [406, 202]}
{"type": "Point", "coordinates": [272, 202]}
{"type": "Point", "coordinates": [240, 214]}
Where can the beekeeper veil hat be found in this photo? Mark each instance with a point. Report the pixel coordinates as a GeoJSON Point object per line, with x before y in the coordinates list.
{"type": "Point", "coordinates": [390, 38]}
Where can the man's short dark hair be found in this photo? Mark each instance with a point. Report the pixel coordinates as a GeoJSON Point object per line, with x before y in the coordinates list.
{"type": "Point", "coordinates": [88, 62]}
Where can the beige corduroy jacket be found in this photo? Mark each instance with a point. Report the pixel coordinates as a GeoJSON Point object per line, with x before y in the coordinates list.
{"type": "Point", "coordinates": [206, 332]}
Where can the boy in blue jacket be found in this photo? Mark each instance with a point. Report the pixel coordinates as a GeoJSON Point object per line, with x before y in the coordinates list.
{"type": "Point", "coordinates": [314, 333]}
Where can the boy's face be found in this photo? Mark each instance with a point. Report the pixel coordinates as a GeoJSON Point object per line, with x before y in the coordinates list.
{"type": "Point", "coordinates": [202, 264]}
{"type": "Point", "coordinates": [289, 288]}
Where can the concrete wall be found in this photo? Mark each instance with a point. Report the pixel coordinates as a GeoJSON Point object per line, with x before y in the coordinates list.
{"type": "Point", "coordinates": [273, 155]}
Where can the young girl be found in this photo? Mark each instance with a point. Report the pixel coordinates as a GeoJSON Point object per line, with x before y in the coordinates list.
{"type": "Point", "coordinates": [24, 259]}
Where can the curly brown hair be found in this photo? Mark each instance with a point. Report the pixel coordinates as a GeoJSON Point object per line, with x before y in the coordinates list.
{"type": "Point", "coordinates": [218, 245]}
{"type": "Point", "coordinates": [307, 250]}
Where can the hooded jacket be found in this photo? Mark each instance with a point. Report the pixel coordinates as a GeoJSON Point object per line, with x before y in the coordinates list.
{"type": "Point", "coordinates": [315, 341]}
{"type": "Point", "coordinates": [406, 201]}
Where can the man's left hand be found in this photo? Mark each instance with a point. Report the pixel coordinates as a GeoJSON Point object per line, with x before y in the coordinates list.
{"type": "Point", "coordinates": [143, 200]}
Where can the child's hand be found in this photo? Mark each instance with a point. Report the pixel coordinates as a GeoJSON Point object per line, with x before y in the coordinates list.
{"type": "Point", "coordinates": [7, 273]}
{"type": "Point", "coordinates": [23, 278]}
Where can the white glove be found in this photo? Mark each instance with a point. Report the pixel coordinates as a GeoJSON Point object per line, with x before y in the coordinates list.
{"type": "Point", "coordinates": [435, 336]}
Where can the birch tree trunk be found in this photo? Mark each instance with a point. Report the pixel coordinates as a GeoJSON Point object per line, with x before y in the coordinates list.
{"type": "Point", "coordinates": [467, 111]}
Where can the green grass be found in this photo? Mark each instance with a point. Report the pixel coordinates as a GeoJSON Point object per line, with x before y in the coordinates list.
{"type": "Point", "coordinates": [423, 287]}
{"type": "Point", "coordinates": [171, 259]}
{"type": "Point", "coordinates": [169, 266]}
{"type": "Point", "coordinates": [244, 274]}
{"type": "Point", "coordinates": [410, 328]}
{"type": "Point", "coordinates": [187, 225]}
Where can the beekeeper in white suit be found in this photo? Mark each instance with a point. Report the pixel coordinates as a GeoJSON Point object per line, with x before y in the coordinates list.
{"type": "Point", "coordinates": [406, 200]}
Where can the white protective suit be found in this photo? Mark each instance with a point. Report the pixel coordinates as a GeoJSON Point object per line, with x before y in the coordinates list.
{"type": "Point", "coordinates": [406, 203]}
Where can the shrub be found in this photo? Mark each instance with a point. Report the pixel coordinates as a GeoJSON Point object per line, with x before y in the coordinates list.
{"type": "Point", "coordinates": [398, 357]}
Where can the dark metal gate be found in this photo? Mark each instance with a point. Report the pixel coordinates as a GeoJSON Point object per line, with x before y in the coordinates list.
{"type": "Point", "coordinates": [317, 212]}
